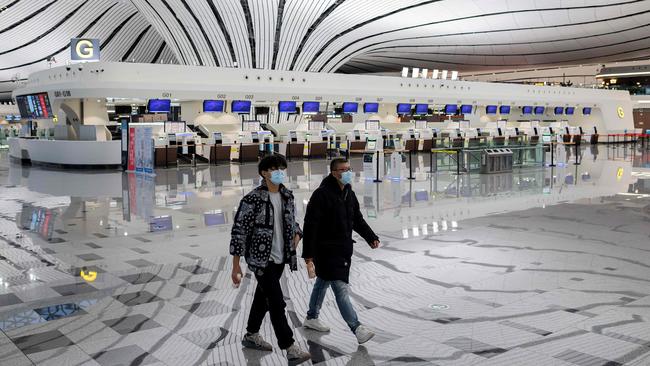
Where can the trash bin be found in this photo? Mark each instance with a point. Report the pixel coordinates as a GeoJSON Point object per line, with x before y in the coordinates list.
{"type": "Point", "coordinates": [496, 161]}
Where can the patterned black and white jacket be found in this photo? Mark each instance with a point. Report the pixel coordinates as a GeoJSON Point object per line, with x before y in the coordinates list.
{"type": "Point", "coordinates": [252, 229]}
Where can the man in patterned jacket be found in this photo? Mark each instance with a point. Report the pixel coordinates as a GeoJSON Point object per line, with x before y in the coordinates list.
{"type": "Point", "coordinates": [266, 233]}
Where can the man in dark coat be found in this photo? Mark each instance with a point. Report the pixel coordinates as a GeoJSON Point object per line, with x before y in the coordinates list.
{"type": "Point", "coordinates": [266, 233]}
{"type": "Point", "coordinates": [332, 214]}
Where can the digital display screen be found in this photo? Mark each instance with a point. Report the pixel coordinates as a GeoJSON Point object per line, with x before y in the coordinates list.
{"type": "Point", "coordinates": [240, 106]}
{"type": "Point", "coordinates": [527, 109]}
{"type": "Point", "coordinates": [159, 105]}
{"type": "Point", "coordinates": [559, 110]}
{"type": "Point", "coordinates": [403, 108]}
{"type": "Point", "coordinates": [213, 105]}
{"type": "Point", "coordinates": [310, 107]}
{"type": "Point", "coordinates": [350, 107]}
{"type": "Point", "coordinates": [569, 110]}
{"type": "Point", "coordinates": [539, 110]}
{"type": "Point", "coordinates": [34, 106]}
{"type": "Point", "coordinates": [214, 218]}
{"type": "Point", "coordinates": [504, 109]}
{"type": "Point", "coordinates": [451, 109]}
{"type": "Point", "coordinates": [161, 223]}
{"type": "Point", "coordinates": [491, 109]}
{"type": "Point", "coordinates": [466, 109]}
{"type": "Point", "coordinates": [586, 110]}
{"type": "Point", "coordinates": [371, 108]}
{"type": "Point", "coordinates": [421, 195]}
{"type": "Point", "coordinates": [288, 107]}
{"type": "Point", "coordinates": [421, 109]}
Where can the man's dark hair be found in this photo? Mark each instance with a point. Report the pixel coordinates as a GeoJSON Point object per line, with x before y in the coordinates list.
{"type": "Point", "coordinates": [336, 162]}
{"type": "Point", "coordinates": [275, 161]}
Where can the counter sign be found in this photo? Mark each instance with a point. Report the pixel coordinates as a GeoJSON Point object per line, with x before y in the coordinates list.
{"type": "Point", "coordinates": [84, 49]}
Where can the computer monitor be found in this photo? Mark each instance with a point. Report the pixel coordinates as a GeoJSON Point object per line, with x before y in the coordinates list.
{"type": "Point", "coordinates": [527, 109]}
{"type": "Point", "coordinates": [350, 107]}
{"type": "Point", "coordinates": [213, 105]}
{"type": "Point", "coordinates": [159, 105]}
{"type": "Point", "coordinates": [466, 109]}
{"type": "Point", "coordinates": [403, 108]}
{"type": "Point", "coordinates": [370, 107]}
{"type": "Point", "coordinates": [558, 110]}
{"type": "Point", "coordinates": [451, 109]}
{"type": "Point", "coordinates": [287, 107]}
{"type": "Point", "coordinates": [310, 107]}
{"type": "Point", "coordinates": [421, 109]}
{"type": "Point", "coordinates": [240, 106]}
{"type": "Point", "coordinates": [586, 111]}
{"type": "Point", "coordinates": [504, 109]}
{"type": "Point", "coordinates": [491, 109]}
{"type": "Point", "coordinates": [569, 110]}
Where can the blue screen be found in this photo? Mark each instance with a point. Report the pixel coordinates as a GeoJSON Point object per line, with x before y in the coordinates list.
{"type": "Point", "coordinates": [421, 109]}
{"type": "Point", "coordinates": [403, 108]}
{"type": "Point", "coordinates": [569, 110]}
{"type": "Point", "coordinates": [289, 107]}
{"type": "Point", "coordinates": [310, 107]}
{"type": "Point", "coordinates": [213, 105]}
{"type": "Point", "coordinates": [451, 109]}
{"type": "Point", "coordinates": [159, 105]}
{"type": "Point", "coordinates": [504, 109]}
{"type": "Point", "coordinates": [559, 110]}
{"type": "Point", "coordinates": [466, 109]}
{"type": "Point", "coordinates": [349, 107]}
{"type": "Point", "coordinates": [371, 108]}
{"type": "Point", "coordinates": [527, 109]}
{"type": "Point", "coordinates": [241, 106]}
{"type": "Point", "coordinates": [586, 110]}
{"type": "Point", "coordinates": [539, 110]}
{"type": "Point", "coordinates": [491, 109]}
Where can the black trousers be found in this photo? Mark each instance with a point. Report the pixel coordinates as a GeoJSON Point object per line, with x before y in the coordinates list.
{"type": "Point", "coordinates": [269, 298]}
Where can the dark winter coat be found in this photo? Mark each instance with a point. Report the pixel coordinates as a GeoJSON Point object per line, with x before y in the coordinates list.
{"type": "Point", "coordinates": [252, 229]}
{"type": "Point", "coordinates": [331, 216]}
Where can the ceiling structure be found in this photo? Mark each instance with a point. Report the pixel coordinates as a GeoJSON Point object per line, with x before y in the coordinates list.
{"type": "Point", "coordinates": [349, 36]}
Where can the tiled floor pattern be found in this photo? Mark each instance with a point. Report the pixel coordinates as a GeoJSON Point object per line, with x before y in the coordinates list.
{"type": "Point", "coordinates": [555, 278]}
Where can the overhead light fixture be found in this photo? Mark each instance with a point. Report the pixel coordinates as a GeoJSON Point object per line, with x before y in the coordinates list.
{"type": "Point", "coordinates": [444, 75]}
{"type": "Point", "coordinates": [425, 73]}
{"type": "Point", "coordinates": [454, 75]}
{"type": "Point", "coordinates": [416, 73]}
{"type": "Point", "coordinates": [405, 72]}
{"type": "Point", "coordinates": [435, 74]}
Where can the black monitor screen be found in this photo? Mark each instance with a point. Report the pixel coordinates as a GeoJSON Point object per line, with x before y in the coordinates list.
{"type": "Point", "coordinates": [311, 107]}
{"type": "Point", "coordinates": [466, 109]}
{"type": "Point", "coordinates": [240, 106]}
{"type": "Point", "coordinates": [491, 109]}
{"type": "Point", "coordinates": [421, 109]}
{"type": "Point", "coordinates": [350, 107]}
{"type": "Point", "coordinates": [403, 108]}
{"type": "Point", "coordinates": [34, 106]}
{"type": "Point", "coordinates": [504, 109]}
{"type": "Point", "coordinates": [159, 105]}
{"type": "Point", "coordinates": [213, 105]}
{"type": "Point", "coordinates": [559, 110]}
{"type": "Point", "coordinates": [527, 109]}
{"type": "Point", "coordinates": [288, 107]}
{"type": "Point", "coordinates": [371, 108]}
{"type": "Point", "coordinates": [586, 110]}
{"type": "Point", "coordinates": [451, 109]}
{"type": "Point", "coordinates": [539, 110]}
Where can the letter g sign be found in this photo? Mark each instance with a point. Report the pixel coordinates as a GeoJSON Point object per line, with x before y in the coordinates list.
{"type": "Point", "coordinates": [84, 49]}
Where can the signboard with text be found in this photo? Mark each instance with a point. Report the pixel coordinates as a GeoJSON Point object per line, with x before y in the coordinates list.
{"type": "Point", "coordinates": [84, 49]}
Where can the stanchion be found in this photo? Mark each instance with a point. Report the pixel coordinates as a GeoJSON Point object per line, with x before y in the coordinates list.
{"type": "Point", "coordinates": [458, 162]}
{"type": "Point", "coordinates": [410, 165]}
{"type": "Point", "coordinates": [377, 180]}
{"type": "Point", "coordinates": [288, 151]}
{"type": "Point", "coordinates": [431, 161]}
{"type": "Point", "coordinates": [577, 155]}
{"type": "Point", "coordinates": [552, 155]}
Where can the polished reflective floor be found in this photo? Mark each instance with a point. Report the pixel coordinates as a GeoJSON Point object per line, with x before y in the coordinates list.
{"type": "Point", "coordinates": [542, 266]}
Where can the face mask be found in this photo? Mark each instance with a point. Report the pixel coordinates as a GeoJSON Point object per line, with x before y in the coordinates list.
{"type": "Point", "coordinates": [346, 177]}
{"type": "Point", "coordinates": [277, 177]}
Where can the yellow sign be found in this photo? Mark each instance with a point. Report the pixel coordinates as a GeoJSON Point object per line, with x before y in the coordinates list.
{"type": "Point", "coordinates": [621, 112]}
{"type": "Point", "coordinates": [88, 276]}
{"type": "Point", "coordinates": [619, 173]}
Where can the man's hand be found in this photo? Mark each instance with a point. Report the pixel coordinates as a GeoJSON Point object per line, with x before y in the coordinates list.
{"type": "Point", "coordinates": [236, 274]}
{"type": "Point", "coordinates": [375, 244]}
{"type": "Point", "coordinates": [296, 240]}
{"type": "Point", "coordinates": [311, 269]}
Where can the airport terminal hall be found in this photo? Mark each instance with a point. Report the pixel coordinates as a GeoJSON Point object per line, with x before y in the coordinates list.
{"type": "Point", "coordinates": [325, 182]}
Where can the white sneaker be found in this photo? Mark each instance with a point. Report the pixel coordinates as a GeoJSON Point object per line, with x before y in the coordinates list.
{"type": "Point", "coordinates": [295, 355]}
{"type": "Point", "coordinates": [315, 324]}
{"type": "Point", "coordinates": [363, 334]}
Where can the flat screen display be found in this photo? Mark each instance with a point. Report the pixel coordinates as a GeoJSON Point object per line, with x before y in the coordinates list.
{"type": "Point", "coordinates": [558, 110]}
{"type": "Point", "coordinates": [371, 107]}
{"type": "Point", "coordinates": [350, 107]}
{"type": "Point", "coordinates": [539, 110]}
{"type": "Point", "coordinates": [214, 218]}
{"type": "Point", "coordinates": [240, 106]}
{"type": "Point", "coordinates": [213, 105]}
{"type": "Point", "coordinates": [504, 109]}
{"type": "Point", "coordinates": [403, 108]}
{"type": "Point", "coordinates": [287, 107]}
{"type": "Point", "coordinates": [527, 109]}
{"type": "Point", "coordinates": [451, 109]}
{"type": "Point", "coordinates": [586, 110]}
{"type": "Point", "coordinates": [466, 109]}
{"type": "Point", "coordinates": [34, 106]}
{"type": "Point", "coordinates": [421, 109]}
{"type": "Point", "coordinates": [159, 105]}
{"type": "Point", "coordinates": [491, 109]}
{"type": "Point", "coordinates": [160, 223]}
{"type": "Point", "coordinates": [310, 107]}
{"type": "Point", "coordinates": [569, 110]}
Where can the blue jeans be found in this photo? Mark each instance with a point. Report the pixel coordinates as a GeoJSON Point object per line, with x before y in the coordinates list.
{"type": "Point", "coordinates": [340, 289]}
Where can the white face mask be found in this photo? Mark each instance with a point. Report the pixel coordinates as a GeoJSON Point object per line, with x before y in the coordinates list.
{"type": "Point", "coordinates": [278, 176]}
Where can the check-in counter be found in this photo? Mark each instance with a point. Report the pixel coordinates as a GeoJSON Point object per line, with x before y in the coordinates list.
{"type": "Point", "coordinates": [67, 153]}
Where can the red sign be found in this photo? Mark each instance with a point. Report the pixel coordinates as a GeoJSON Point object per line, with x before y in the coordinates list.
{"type": "Point", "coordinates": [131, 164]}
